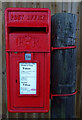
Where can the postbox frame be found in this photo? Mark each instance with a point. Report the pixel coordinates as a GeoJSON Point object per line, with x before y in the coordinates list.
{"type": "Point", "coordinates": [10, 108]}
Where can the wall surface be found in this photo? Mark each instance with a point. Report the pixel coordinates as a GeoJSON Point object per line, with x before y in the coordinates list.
{"type": "Point", "coordinates": [55, 7]}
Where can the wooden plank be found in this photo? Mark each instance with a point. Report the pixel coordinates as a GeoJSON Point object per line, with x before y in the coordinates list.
{"type": "Point", "coordinates": [47, 5]}
{"type": "Point", "coordinates": [52, 8]}
{"type": "Point", "coordinates": [75, 10]}
{"type": "Point", "coordinates": [75, 7]}
{"type": "Point", "coordinates": [39, 5]}
{"type": "Point", "coordinates": [4, 88]}
{"type": "Point", "coordinates": [50, 5]}
{"type": "Point", "coordinates": [57, 7]}
{"type": "Point", "coordinates": [66, 7]}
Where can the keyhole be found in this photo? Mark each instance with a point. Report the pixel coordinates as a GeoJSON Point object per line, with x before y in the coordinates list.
{"type": "Point", "coordinates": [16, 81]}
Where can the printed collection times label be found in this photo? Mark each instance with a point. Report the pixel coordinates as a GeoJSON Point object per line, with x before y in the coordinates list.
{"type": "Point", "coordinates": [28, 78]}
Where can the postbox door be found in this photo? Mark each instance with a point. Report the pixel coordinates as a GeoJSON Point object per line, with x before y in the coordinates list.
{"type": "Point", "coordinates": [27, 100]}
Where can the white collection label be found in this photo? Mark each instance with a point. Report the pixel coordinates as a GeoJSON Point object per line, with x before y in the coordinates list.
{"type": "Point", "coordinates": [28, 78]}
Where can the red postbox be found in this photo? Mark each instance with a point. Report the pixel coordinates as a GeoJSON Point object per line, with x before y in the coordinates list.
{"type": "Point", "coordinates": [28, 59]}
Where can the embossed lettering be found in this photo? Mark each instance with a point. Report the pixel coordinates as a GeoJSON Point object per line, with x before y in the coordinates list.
{"type": "Point", "coordinates": [17, 17]}
{"type": "Point", "coordinates": [28, 17]}
{"type": "Point", "coordinates": [23, 40]}
{"type": "Point", "coordinates": [36, 17]}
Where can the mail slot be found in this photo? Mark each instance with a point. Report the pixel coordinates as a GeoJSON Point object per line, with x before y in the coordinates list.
{"type": "Point", "coordinates": [27, 34]}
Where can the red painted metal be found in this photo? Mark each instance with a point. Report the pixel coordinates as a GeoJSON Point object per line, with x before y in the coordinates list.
{"type": "Point", "coordinates": [58, 48]}
{"type": "Point", "coordinates": [28, 31]}
{"type": "Point", "coordinates": [53, 95]}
